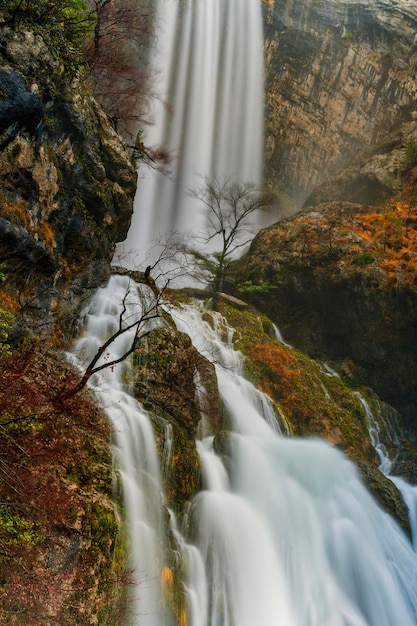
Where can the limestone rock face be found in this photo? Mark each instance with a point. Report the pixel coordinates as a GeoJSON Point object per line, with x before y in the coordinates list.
{"type": "Point", "coordinates": [339, 75]}
{"type": "Point", "coordinates": [335, 298]}
{"type": "Point", "coordinates": [66, 179]}
{"type": "Point", "coordinates": [377, 174]}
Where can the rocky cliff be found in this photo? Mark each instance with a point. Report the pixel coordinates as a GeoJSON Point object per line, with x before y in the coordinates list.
{"type": "Point", "coordinates": [339, 76]}
{"type": "Point", "coordinates": [66, 194]}
{"type": "Point", "coordinates": [67, 182]}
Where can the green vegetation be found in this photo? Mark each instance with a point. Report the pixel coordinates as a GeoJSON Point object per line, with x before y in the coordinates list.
{"type": "Point", "coordinates": [411, 153]}
{"type": "Point", "coordinates": [64, 24]}
{"type": "Point", "coordinates": [249, 286]}
{"type": "Point", "coordinates": [16, 530]}
{"type": "Point", "coordinates": [366, 258]}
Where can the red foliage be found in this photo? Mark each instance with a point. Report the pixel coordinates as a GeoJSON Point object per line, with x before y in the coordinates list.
{"type": "Point", "coordinates": [47, 451]}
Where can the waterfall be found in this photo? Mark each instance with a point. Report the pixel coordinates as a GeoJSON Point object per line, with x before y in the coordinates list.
{"type": "Point", "coordinates": [408, 492]}
{"type": "Point", "coordinates": [136, 461]}
{"type": "Point", "coordinates": [208, 116]}
{"type": "Point", "coordinates": [292, 537]}
{"type": "Point", "coordinates": [287, 535]}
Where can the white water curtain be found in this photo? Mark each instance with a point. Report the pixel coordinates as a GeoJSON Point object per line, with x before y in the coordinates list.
{"type": "Point", "coordinates": [208, 71]}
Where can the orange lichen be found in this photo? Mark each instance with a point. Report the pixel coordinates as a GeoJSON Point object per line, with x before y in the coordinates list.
{"type": "Point", "coordinates": [45, 234]}
{"type": "Point", "coordinates": [167, 577]}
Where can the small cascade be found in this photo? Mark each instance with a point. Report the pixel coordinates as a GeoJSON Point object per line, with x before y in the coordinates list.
{"type": "Point", "coordinates": [408, 492]}
{"type": "Point", "coordinates": [374, 430]}
{"type": "Point", "coordinates": [292, 514]}
{"type": "Point", "coordinates": [136, 460]}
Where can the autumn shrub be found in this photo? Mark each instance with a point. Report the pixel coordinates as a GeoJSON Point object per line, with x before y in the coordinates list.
{"type": "Point", "coordinates": [6, 318]}
{"type": "Point", "coordinates": [57, 527]}
{"type": "Point", "coordinates": [15, 212]}
{"type": "Point", "coordinates": [279, 367]}
{"type": "Point", "coordinates": [45, 234]}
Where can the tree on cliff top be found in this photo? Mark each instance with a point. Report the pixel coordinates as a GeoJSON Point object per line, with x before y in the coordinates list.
{"type": "Point", "coordinates": [230, 208]}
{"type": "Point", "coordinates": [63, 24]}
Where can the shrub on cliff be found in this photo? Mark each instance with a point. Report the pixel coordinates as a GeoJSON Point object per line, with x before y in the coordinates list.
{"type": "Point", "coordinates": [6, 318]}
{"type": "Point", "coordinates": [411, 153]}
{"type": "Point", "coordinates": [64, 24]}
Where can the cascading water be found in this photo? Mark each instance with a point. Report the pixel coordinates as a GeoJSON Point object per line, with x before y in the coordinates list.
{"type": "Point", "coordinates": [409, 492]}
{"type": "Point", "coordinates": [291, 537]}
{"type": "Point", "coordinates": [288, 535]}
{"type": "Point", "coordinates": [136, 461]}
{"type": "Point", "coordinates": [209, 77]}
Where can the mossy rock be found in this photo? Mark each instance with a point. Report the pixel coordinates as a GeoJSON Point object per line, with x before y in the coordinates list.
{"type": "Point", "coordinates": [385, 492]}
{"type": "Point", "coordinates": [312, 401]}
{"type": "Point", "coordinates": [165, 368]}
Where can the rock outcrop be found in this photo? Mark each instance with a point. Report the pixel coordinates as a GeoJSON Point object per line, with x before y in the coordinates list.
{"type": "Point", "coordinates": [66, 180]}
{"type": "Point", "coordinates": [376, 174]}
{"type": "Point", "coordinates": [166, 366]}
{"type": "Point", "coordinates": [339, 292]}
{"type": "Point", "coordinates": [339, 76]}
{"type": "Point", "coordinates": [66, 196]}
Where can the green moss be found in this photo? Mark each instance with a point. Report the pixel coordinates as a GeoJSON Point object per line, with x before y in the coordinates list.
{"type": "Point", "coordinates": [366, 258]}
{"type": "Point", "coordinates": [15, 530]}
{"type": "Point", "coordinates": [312, 402]}
{"type": "Point", "coordinates": [411, 153]}
{"type": "Point", "coordinates": [103, 527]}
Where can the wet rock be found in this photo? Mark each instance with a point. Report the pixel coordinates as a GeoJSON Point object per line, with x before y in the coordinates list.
{"type": "Point", "coordinates": [166, 368]}
{"type": "Point", "coordinates": [385, 492]}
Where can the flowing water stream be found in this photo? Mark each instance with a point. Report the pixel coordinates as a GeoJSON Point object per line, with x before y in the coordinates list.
{"type": "Point", "coordinates": [208, 72]}
{"type": "Point", "coordinates": [286, 535]}
{"type": "Point", "coordinates": [289, 535]}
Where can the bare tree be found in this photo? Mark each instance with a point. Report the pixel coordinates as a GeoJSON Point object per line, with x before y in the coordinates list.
{"type": "Point", "coordinates": [117, 58]}
{"type": "Point", "coordinates": [157, 276]}
{"type": "Point", "coordinates": [125, 324]}
{"type": "Point", "coordinates": [230, 208]}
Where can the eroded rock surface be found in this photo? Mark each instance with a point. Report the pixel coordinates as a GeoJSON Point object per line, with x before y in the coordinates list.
{"type": "Point", "coordinates": [67, 181]}
{"type": "Point", "coordinates": [339, 76]}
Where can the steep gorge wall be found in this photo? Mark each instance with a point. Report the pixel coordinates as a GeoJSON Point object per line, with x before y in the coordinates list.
{"type": "Point", "coordinates": [340, 74]}
{"type": "Point", "coordinates": [67, 183]}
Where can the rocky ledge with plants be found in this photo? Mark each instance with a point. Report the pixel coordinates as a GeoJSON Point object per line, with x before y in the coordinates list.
{"type": "Point", "coordinates": [67, 183]}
